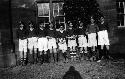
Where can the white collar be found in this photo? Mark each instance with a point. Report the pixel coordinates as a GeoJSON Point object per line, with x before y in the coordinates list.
{"type": "Point", "coordinates": [41, 28]}
{"type": "Point", "coordinates": [102, 22]}
{"type": "Point", "coordinates": [31, 29]}
{"type": "Point", "coordinates": [61, 31]}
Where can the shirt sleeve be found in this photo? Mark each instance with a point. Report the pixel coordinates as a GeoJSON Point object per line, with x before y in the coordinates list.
{"type": "Point", "coordinates": [26, 33]}
{"type": "Point", "coordinates": [55, 33]}
{"type": "Point", "coordinates": [87, 29]}
{"type": "Point", "coordinates": [97, 28]}
{"type": "Point", "coordinates": [47, 30]}
{"type": "Point", "coordinates": [75, 31]}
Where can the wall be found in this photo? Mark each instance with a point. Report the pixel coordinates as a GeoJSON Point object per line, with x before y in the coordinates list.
{"type": "Point", "coordinates": [108, 8]}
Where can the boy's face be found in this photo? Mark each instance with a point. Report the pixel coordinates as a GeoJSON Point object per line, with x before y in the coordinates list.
{"type": "Point", "coordinates": [41, 25]}
{"type": "Point", "coordinates": [21, 26]}
{"type": "Point", "coordinates": [102, 19]}
{"type": "Point", "coordinates": [51, 25]}
{"type": "Point", "coordinates": [61, 27]}
{"type": "Point", "coordinates": [31, 25]}
{"type": "Point", "coordinates": [70, 25]}
{"type": "Point", "coordinates": [92, 20]}
{"type": "Point", "coordinates": [81, 24]}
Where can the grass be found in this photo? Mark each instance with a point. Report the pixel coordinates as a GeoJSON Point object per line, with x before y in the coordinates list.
{"type": "Point", "coordinates": [88, 70]}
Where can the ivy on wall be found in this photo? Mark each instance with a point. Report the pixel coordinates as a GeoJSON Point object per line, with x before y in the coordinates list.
{"type": "Point", "coordinates": [81, 10]}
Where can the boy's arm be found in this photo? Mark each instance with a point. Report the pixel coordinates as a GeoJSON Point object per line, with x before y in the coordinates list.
{"type": "Point", "coordinates": [27, 33]}
{"type": "Point", "coordinates": [87, 29]}
{"type": "Point", "coordinates": [97, 28]}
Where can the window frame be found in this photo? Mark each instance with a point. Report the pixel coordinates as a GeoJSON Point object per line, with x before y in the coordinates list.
{"type": "Point", "coordinates": [119, 6]}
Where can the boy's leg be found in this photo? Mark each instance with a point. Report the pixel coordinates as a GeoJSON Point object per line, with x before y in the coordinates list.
{"type": "Point", "coordinates": [22, 47]}
{"type": "Point", "coordinates": [40, 49]}
{"type": "Point", "coordinates": [55, 55]}
{"type": "Point", "coordinates": [107, 52]}
{"type": "Point", "coordinates": [51, 55]}
{"type": "Point", "coordinates": [59, 55]}
{"type": "Point", "coordinates": [85, 53]}
{"type": "Point", "coordinates": [30, 48]}
{"type": "Point", "coordinates": [45, 48]}
{"type": "Point", "coordinates": [62, 55]}
{"type": "Point", "coordinates": [102, 52]}
{"type": "Point", "coordinates": [35, 56]}
{"type": "Point", "coordinates": [40, 57]}
{"type": "Point", "coordinates": [81, 53]}
{"type": "Point", "coordinates": [21, 57]}
{"type": "Point", "coordinates": [35, 45]}
{"type": "Point", "coordinates": [25, 58]}
{"type": "Point", "coordinates": [67, 55]}
{"type": "Point", "coordinates": [30, 56]}
{"type": "Point", "coordinates": [45, 58]}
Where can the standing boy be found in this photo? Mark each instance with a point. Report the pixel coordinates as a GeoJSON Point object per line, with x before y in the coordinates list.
{"type": "Point", "coordinates": [62, 42]}
{"type": "Point", "coordinates": [92, 30]}
{"type": "Point", "coordinates": [22, 36]}
{"type": "Point", "coordinates": [71, 36]}
{"type": "Point", "coordinates": [42, 43]}
{"type": "Point", "coordinates": [32, 43]}
{"type": "Point", "coordinates": [52, 46]}
{"type": "Point", "coordinates": [103, 39]}
{"type": "Point", "coordinates": [82, 40]}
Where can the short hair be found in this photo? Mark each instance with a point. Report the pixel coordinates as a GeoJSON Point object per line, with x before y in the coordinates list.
{"type": "Point", "coordinates": [21, 23]}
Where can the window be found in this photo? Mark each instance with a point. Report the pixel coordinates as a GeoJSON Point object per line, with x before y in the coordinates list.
{"type": "Point", "coordinates": [43, 10]}
{"type": "Point", "coordinates": [43, 13]}
{"type": "Point", "coordinates": [58, 13]}
{"type": "Point", "coordinates": [120, 13]}
{"type": "Point", "coordinates": [51, 12]}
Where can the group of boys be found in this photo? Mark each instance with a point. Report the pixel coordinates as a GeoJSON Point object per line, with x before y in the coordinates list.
{"type": "Point", "coordinates": [49, 45]}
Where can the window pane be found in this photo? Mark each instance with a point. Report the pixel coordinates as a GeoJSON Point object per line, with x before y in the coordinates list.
{"type": "Point", "coordinates": [61, 9]}
{"type": "Point", "coordinates": [117, 4]}
{"type": "Point", "coordinates": [58, 9]}
{"type": "Point", "coordinates": [121, 4]}
{"type": "Point", "coordinates": [118, 23]}
{"type": "Point", "coordinates": [122, 19]}
{"type": "Point", "coordinates": [122, 10]}
{"type": "Point", "coordinates": [47, 26]}
{"type": "Point", "coordinates": [61, 19]}
{"type": "Point", "coordinates": [57, 25]}
{"type": "Point", "coordinates": [118, 10]}
{"type": "Point", "coordinates": [43, 9]}
{"type": "Point", "coordinates": [43, 20]}
{"type": "Point", "coordinates": [55, 12]}
{"type": "Point", "coordinates": [60, 6]}
{"type": "Point", "coordinates": [118, 16]}
{"type": "Point", "coordinates": [61, 13]}
{"type": "Point", "coordinates": [55, 6]}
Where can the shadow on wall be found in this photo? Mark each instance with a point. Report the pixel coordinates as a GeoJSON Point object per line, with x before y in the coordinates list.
{"type": "Point", "coordinates": [72, 74]}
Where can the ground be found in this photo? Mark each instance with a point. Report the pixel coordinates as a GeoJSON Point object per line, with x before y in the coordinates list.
{"type": "Point", "coordinates": [111, 69]}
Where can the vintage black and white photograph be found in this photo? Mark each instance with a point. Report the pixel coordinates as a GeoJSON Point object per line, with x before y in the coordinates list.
{"type": "Point", "coordinates": [62, 39]}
